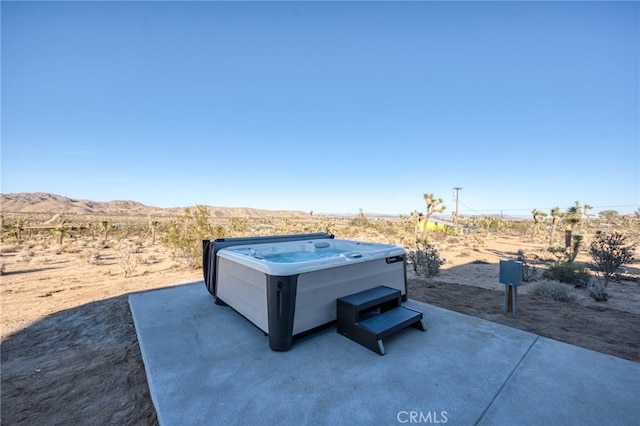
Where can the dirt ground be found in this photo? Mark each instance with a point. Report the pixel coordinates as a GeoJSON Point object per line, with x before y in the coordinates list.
{"type": "Point", "coordinates": [70, 353]}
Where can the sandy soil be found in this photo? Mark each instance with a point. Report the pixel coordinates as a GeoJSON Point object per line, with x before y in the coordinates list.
{"type": "Point", "coordinates": [70, 353]}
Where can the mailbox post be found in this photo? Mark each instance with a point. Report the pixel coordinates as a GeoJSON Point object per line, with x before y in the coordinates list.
{"type": "Point", "coordinates": [511, 277]}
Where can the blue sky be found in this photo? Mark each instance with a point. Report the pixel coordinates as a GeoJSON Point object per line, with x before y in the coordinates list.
{"type": "Point", "coordinates": [325, 106]}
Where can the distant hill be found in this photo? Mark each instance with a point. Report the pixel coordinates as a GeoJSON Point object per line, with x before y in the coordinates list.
{"type": "Point", "coordinates": [40, 202]}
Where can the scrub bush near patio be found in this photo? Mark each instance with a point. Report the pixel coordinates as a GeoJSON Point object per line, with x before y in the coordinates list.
{"type": "Point", "coordinates": [609, 252]}
{"type": "Point", "coordinates": [554, 290]}
{"type": "Point", "coordinates": [568, 273]}
{"type": "Point", "coordinates": [598, 293]}
{"type": "Point", "coordinates": [426, 259]}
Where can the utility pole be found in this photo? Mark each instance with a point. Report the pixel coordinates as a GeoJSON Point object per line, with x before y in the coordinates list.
{"type": "Point", "coordinates": [455, 219]}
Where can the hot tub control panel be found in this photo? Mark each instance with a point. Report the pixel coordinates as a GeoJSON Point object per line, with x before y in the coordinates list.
{"type": "Point", "coordinates": [394, 259]}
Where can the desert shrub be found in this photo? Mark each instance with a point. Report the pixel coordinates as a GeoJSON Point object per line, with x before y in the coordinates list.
{"type": "Point", "coordinates": [554, 290]}
{"type": "Point", "coordinates": [598, 292]}
{"type": "Point", "coordinates": [150, 260]}
{"type": "Point", "coordinates": [184, 236]}
{"type": "Point", "coordinates": [71, 248]}
{"type": "Point", "coordinates": [516, 227]}
{"type": "Point", "coordinates": [325, 224]}
{"type": "Point", "coordinates": [440, 234]}
{"type": "Point", "coordinates": [609, 252]}
{"type": "Point", "coordinates": [569, 273]}
{"type": "Point", "coordinates": [26, 256]}
{"type": "Point", "coordinates": [405, 226]}
{"type": "Point", "coordinates": [560, 253]}
{"type": "Point", "coordinates": [82, 243]}
{"type": "Point", "coordinates": [454, 240]}
{"type": "Point", "coordinates": [93, 258]}
{"type": "Point", "coordinates": [487, 223]}
{"type": "Point", "coordinates": [477, 240]}
{"type": "Point", "coordinates": [426, 260]}
{"type": "Point", "coordinates": [568, 254]}
{"type": "Point", "coordinates": [387, 228]}
{"type": "Point", "coordinates": [360, 220]}
{"type": "Point", "coordinates": [238, 226]}
{"type": "Point", "coordinates": [529, 273]}
{"type": "Point", "coordinates": [284, 227]}
{"type": "Point", "coordinates": [101, 245]}
{"type": "Point", "coordinates": [127, 259]}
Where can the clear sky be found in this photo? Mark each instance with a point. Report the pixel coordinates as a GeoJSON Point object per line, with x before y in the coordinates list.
{"type": "Point", "coordinates": [329, 107]}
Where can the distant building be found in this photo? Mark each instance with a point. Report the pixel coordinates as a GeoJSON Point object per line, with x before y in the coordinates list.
{"type": "Point", "coordinates": [435, 224]}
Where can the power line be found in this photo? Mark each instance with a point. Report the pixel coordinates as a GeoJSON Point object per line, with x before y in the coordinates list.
{"type": "Point", "coordinates": [472, 210]}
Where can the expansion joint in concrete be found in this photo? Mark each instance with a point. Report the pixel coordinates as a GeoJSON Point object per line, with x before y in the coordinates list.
{"type": "Point", "coordinates": [506, 380]}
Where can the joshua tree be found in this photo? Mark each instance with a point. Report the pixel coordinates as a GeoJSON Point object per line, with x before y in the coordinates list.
{"type": "Point", "coordinates": [433, 206]}
{"type": "Point", "coordinates": [416, 217]}
{"type": "Point", "coordinates": [104, 227]}
{"type": "Point", "coordinates": [555, 218]}
{"type": "Point", "coordinates": [60, 228]}
{"type": "Point", "coordinates": [608, 215]}
{"type": "Point", "coordinates": [538, 216]}
{"type": "Point", "coordinates": [18, 226]}
{"type": "Point", "coordinates": [576, 243]}
{"type": "Point", "coordinates": [573, 217]}
{"type": "Point", "coordinates": [584, 213]}
{"type": "Point", "coordinates": [153, 227]}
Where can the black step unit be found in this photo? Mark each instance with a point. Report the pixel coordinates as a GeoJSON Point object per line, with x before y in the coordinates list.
{"type": "Point", "coordinates": [369, 316]}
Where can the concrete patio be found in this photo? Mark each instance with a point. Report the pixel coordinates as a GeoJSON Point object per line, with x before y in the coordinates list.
{"type": "Point", "coordinates": [208, 365]}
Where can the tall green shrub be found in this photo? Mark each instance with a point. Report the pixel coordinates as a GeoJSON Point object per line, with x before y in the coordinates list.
{"type": "Point", "coordinates": [184, 236]}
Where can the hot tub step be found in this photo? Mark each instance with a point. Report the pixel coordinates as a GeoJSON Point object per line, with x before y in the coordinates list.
{"type": "Point", "coordinates": [369, 316]}
{"type": "Point", "coordinates": [360, 306]}
{"type": "Point", "coordinates": [392, 321]}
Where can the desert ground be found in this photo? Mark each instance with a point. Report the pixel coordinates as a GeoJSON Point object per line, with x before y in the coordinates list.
{"type": "Point", "coordinates": [70, 353]}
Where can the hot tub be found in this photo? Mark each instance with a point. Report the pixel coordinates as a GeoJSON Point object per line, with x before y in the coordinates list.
{"type": "Point", "coordinates": [288, 285]}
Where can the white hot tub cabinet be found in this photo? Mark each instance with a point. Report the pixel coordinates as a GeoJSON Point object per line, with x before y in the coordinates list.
{"type": "Point", "coordinates": [289, 288]}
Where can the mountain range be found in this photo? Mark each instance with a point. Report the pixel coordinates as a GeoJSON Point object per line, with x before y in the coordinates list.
{"type": "Point", "coordinates": [41, 202]}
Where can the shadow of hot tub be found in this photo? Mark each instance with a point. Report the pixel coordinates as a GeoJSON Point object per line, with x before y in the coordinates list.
{"type": "Point", "coordinates": [288, 285]}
